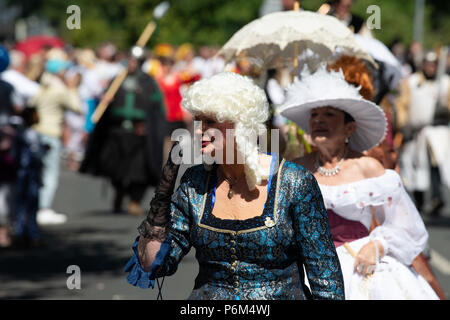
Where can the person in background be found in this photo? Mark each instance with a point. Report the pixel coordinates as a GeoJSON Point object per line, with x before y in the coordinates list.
{"type": "Point", "coordinates": [8, 168]}
{"type": "Point", "coordinates": [288, 4]}
{"type": "Point", "coordinates": [341, 9]}
{"type": "Point", "coordinates": [24, 88]}
{"type": "Point", "coordinates": [184, 65]}
{"type": "Point", "coordinates": [74, 133]}
{"type": "Point", "coordinates": [57, 95]}
{"type": "Point", "coordinates": [184, 57]}
{"type": "Point", "coordinates": [423, 108]}
{"type": "Point", "coordinates": [91, 85]}
{"type": "Point", "coordinates": [106, 67]}
{"type": "Point", "coordinates": [170, 82]}
{"type": "Point", "coordinates": [31, 151]}
{"type": "Point", "coordinates": [126, 143]}
{"type": "Point", "coordinates": [201, 62]}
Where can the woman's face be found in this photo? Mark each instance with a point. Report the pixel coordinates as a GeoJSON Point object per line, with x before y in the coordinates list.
{"type": "Point", "coordinates": [328, 124]}
{"type": "Point", "coordinates": [213, 134]}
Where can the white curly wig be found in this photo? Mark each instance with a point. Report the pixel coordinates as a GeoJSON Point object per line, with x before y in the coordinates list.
{"type": "Point", "coordinates": [231, 97]}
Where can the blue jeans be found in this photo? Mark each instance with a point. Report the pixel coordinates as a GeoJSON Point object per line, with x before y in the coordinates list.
{"type": "Point", "coordinates": [50, 171]}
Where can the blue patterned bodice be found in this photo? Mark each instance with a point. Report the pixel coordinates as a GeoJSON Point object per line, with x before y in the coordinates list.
{"type": "Point", "coordinates": [257, 258]}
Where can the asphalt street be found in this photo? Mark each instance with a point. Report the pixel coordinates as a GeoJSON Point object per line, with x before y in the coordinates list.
{"type": "Point", "coordinates": [98, 242]}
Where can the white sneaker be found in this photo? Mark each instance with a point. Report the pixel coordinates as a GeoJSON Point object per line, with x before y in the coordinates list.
{"type": "Point", "coordinates": [48, 216]}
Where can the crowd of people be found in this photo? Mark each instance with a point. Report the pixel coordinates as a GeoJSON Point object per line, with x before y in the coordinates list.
{"type": "Point", "coordinates": [47, 103]}
{"type": "Point", "coordinates": [48, 99]}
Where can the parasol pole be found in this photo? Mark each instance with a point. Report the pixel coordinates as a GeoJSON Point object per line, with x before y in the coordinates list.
{"type": "Point", "coordinates": [350, 249]}
{"type": "Point", "coordinates": [159, 11]}
{"type": "Point", "coordinates": [296, 8]}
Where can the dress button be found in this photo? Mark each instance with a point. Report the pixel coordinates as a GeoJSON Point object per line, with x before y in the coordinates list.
{"type": "Point", "coordinates": [233, 243]}
{"type": "Point", "coordinates": [236, 284]}
{"type": "Point", "coordinates": [233, 250]}
{"type": "Point", "coordinates": [233, 269]}
{"type": "Point", "coordinates": [236, 290]}
{"type": "Point", "coordinates": [234, 257]}
{"type": "Point", "coordinates": [236, 278]}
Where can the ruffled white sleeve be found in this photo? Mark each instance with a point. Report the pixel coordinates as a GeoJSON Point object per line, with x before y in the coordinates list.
{"type": "Point", "coordinates": [401, 231]}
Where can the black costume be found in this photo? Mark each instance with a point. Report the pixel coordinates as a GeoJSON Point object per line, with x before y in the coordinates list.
{"type": "Point", "coordinates": [127, 143]}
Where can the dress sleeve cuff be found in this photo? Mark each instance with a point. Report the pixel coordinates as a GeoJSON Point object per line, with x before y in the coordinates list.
{"type": "Point", "coordinates": [145, 279]}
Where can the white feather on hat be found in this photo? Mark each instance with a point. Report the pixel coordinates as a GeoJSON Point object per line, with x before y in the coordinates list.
{"type": "Point", "coordinates": [329, 89]}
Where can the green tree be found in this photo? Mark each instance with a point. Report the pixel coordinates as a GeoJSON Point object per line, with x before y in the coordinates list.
{"type": "Point", "coordinates": [213, 22]}
{"type": "Point", "coordinates": [397, 19]}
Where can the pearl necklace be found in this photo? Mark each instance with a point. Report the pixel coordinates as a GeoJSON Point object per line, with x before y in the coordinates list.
{"type": "Point", "coordinates": [333, 171]}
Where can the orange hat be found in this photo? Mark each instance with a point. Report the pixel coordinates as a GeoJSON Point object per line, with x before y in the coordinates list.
{"type": "Point", "coordinates": [183, 50]}
{"type": "Point", "coordinates": [164, 50]}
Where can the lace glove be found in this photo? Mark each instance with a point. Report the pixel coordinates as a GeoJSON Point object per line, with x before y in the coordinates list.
{"type": "Point", "coordinates": [158, 217]}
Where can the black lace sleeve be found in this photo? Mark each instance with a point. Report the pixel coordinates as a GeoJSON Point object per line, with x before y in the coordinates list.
{"type": "Point", "coordinates": [158, 217]}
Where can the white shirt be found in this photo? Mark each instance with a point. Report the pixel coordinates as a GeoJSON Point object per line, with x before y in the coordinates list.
{"type": "Point", "coordinates": [24, 88]}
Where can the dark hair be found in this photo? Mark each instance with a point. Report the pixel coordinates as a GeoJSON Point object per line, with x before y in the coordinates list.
{"type": "Point", "coordinates": [165, 61]}
{"type": "Point", "coordinates": [348, 118]}
{"type": "Point", "coordinates": [30, 117]}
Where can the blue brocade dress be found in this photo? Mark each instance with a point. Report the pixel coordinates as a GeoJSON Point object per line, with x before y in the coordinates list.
{"type": "Point", "coordinates": [257, 258]}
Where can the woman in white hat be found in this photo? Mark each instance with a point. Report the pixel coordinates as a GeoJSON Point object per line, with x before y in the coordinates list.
{"type": "Point", "coordinates": [375, 263]}
{"type": "Point", "coordinates": [254, 224]}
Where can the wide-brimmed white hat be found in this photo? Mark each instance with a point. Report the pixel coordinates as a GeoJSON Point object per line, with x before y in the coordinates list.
{"type": "Point", "coordinates": [329, 88]}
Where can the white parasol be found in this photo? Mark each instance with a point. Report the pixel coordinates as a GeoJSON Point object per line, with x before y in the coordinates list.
{"type": "Point", "coordinates": [276, 39]}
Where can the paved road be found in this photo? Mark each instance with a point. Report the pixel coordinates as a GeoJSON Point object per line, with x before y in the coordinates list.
{"type": "Point", "coordinates": [99, 242]}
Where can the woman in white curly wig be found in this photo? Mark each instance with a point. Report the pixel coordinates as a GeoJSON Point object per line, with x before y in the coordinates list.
{"type": "Point", "coordinates": [256, 224]}
{"type": "Point", "coordinates": [239, 110]}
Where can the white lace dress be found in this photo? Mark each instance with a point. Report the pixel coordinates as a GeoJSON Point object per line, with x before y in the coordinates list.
{"type": "Point", "coordinates": [401, 232]}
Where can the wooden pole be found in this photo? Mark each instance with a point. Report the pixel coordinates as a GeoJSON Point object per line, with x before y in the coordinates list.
{"type": "Point", "coordinates": [118, 80]}
{"type": "Point", "coordinates": [146, 34]}
{"type": "Point", "coordinates": [350, 250]}
{"type": "Point", "coordinates": [296, 8]}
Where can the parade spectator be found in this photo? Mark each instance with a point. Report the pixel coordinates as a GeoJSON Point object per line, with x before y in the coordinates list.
{"type": "Point", "coordinates": [341, 9]}
{"type": "Point", "coordinates": [422, 117]}
{"type": "Point", "coordinates": [201, 62]}
{"type": "Point", "coordinates": [29, 179]}
{"type": "Point", "coordinates": [74, 132]}
{"type": "Point", "coordinates": [171, 81]}
{"type": "Point", "coordinates": [24, 88]}
{"type": "Point", "coordinates": [208, 63]}
{"type": "Point", "coordinates": [7, 163]}
{"type": "Point", "coordinates": [126, 144]}
{"type": "Point", "coordinates": [56, 95]}
{"type": "Point", "coordinates": [107, 67]}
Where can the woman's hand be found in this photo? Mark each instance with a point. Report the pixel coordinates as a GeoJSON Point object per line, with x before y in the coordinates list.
{"type": "Point", "coordinates": [366, 259]}
{"type": "Point", "coordinates": [147, 250]}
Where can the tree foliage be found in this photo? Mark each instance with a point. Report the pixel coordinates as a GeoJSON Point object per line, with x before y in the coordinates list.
{"type": "Point", "coordinates": [397, 19]}
{"type": "Point", "coordinates": [213, 22]}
